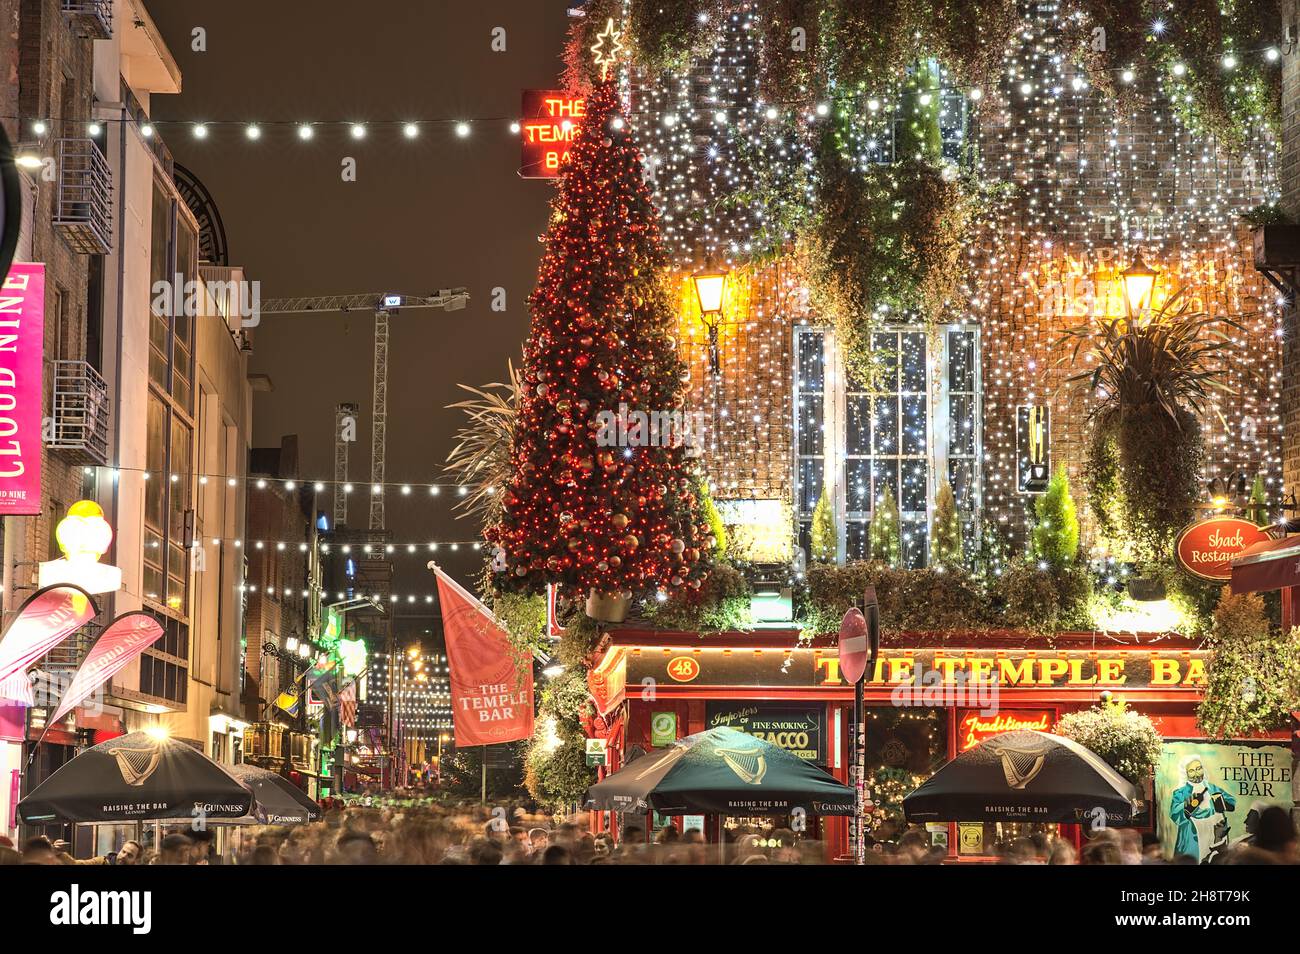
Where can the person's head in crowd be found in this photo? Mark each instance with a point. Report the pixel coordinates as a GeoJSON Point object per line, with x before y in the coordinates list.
{"type": "Point", "coordinates": [357, 848]}
{"type": "Point", "coordinates": [557, 855]}
{"type": "Point", "coordinates": [175, 849]}
{"type": "Point", "coordinates": [538, 839]}
{"type": "Point", "coordinates": [484, 852]}
{"type": "Point", "coordinates": [1276, 833]}
{"type": "Point", "coordinates": [130, 853]}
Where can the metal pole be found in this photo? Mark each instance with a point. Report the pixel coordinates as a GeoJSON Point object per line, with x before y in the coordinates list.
{"type": "Point", "coordinates": [859, 774]}
{"type": "Point", "coordinates": [483, 796]}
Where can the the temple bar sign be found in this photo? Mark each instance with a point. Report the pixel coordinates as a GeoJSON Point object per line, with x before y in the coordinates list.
{"type": "Point", "coordinates": [1023, 669]}
{"type": "Point", "coordinates": [549, 124]}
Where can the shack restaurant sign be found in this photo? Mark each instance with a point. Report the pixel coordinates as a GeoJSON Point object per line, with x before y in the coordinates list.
{"type": "Point", "coordinates": [547, 131]}
{"type": "Point", "coordinates": [1206, 549]}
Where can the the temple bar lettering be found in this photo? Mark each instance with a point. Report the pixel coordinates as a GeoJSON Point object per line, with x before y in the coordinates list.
{"type": "Point", "coordinates": [1025, 669]}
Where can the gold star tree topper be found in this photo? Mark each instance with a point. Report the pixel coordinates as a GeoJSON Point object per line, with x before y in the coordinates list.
{"type": "Point", "coordinates": [607, 56]}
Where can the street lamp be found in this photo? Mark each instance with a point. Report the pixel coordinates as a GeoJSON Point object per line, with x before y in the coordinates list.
{"type": "Point", "coordinates": [1139, 282]}
{"type": "Point", "coordinates": [710, 283]}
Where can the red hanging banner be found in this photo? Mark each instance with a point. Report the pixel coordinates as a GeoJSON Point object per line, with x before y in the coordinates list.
{"type": "Point", "coordinates": [22, 343]}
{"type": "Point", "coordinates": [126, 637]}
{"type": "Point", "coordinates": [47, 618]}
{"type": "Point", "coordinates": [491, 682]}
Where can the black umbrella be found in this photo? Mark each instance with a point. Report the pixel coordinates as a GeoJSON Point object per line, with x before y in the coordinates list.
{"type": "Point", "coordinates": [277, 801]}
{"type": "Point", "coordinates": [722, 772]}
{"type": "Point", "coordinates": [1025, 776]}
{"type": "Point", "coordinates": [137, 777]}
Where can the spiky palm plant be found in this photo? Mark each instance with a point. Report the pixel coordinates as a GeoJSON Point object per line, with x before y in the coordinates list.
{"type": "Point", "coordinates": [480, 461]}
{"type": "Point", "coordinates": [1154, 377]}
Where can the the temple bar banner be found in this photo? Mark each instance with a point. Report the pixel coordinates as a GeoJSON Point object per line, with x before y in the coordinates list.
{"type": "Point", "coordinates": [1023, 669]}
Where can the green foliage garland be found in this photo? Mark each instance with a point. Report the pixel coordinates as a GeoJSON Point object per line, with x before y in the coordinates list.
{"type": "Point", "coordinates": [721, 604]}
{"type": "Point", "coordinates": [1253, 675]}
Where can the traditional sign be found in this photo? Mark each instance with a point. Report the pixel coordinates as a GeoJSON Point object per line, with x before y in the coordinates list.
{"type": "Point", "coordinates": [22, 342]}
{"type": "Point", "coordinates": [491, 681]}
{"type": "Point", "coordinates": [797, 729]}
{"type": "Point", "coordinates": [1209, 795]}
{"type": "Point", "coordinates": [913, 674]}
{"type": "Point", "coordinates": [597, 753]}
{"type": "Point", "coordinates": [973, 726]}
{"type": "Point", "coordinates": [1206, 549]}
{"type": "Point", "coordinates": [663, 728]}
{"type": "Point", "coordinates": [547, 129]}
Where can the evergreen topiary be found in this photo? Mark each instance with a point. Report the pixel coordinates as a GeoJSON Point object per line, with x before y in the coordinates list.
{"type": "Point", "coordinates": [885, 537]}
{"type": "Point", "coordinates": [1055, 539]}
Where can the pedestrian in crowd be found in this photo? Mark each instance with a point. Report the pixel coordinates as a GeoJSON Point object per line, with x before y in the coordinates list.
{"type": "Point", "coordinates": [39, 851]}
{"type": "Point", "coordinates": [176, 849]}
{"type": "Point", "coordinates": [131, 853]}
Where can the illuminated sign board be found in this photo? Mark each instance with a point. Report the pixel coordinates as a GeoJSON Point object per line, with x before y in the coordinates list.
{"type": "Point", "coordinates": [1206, 549]}
{"type": "Point", "coordinates": [548, 126]}
{"type": "Point", "coordinates": [919, 670]}
{"type": "Point", "coordinates": [973, 726]}
{"type": "Point", "coordinates": [798, 730]}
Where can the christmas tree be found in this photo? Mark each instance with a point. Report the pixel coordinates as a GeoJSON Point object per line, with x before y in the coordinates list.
{"type": "Point", "coordinates": [884, 536]}
{"type": "Point", "coordinates": [823, 536]}
{"type": "Point", "coordinates": [603, 497]}
{"type": "Point", "coordinates": [1055, 539]}
{"type": "Point", "coordinates": [945, 535]}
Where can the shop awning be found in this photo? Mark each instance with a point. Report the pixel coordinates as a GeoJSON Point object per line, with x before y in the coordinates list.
{"type": "Point", "coordinates": [721, 772]}
{"type": "Point", "coordinates": [1025, 776]}
{"type": "Point", "coordinates": [137, 777]}
{"type": "Point", "coordinates": [1268, 565]}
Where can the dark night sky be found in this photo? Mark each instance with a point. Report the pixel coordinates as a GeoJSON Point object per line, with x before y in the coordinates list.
{"type": "Point", "coordinates": [439, 212]}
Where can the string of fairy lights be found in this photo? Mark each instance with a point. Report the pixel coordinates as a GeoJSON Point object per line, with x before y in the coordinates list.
{"type": "Point", "coordinates": [1090, 190]}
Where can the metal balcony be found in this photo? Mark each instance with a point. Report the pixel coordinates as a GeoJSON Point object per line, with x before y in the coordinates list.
{"type": "Point", "coordinates": [90, 19]}
{"type": "Point", "coordinates": [80, 413]}
{"type": "Point", "coordinates": [83, 205]}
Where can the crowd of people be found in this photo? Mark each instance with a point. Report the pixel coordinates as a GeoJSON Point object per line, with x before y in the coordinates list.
{"type": "Point", "coordinates": [418, 832]}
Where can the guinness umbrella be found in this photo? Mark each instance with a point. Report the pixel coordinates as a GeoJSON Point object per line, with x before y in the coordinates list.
{"type": "Point", "coordinates": [137, 777]}
{"type": "Point", "coordinates": [277, 801]}
{"type": "Point", "coordinates": [722, 772]}
{"type": "Point", "coordinates": [1024, 776]}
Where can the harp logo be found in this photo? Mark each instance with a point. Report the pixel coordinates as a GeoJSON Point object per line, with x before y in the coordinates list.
{"type": "Point", "coordinates": [750, 765]}
{"type": "Point", "coordinates": [1021, 764]}
{"type": "Point", "coordinates": [137, 763]}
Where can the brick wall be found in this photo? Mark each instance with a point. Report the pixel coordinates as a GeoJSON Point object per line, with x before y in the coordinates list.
{"type": "Point", "coordinates": [1089, 190]}
{"type": "Point", "coordinates": [48, 77]}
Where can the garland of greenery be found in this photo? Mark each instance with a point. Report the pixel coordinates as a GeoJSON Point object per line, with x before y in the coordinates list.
{"type": "Point", "coordinates": [1253, 675]}
{"type": "Point", "coordinates": [667, 35]}
{"type": "Point", "coordinates": [721, 604]}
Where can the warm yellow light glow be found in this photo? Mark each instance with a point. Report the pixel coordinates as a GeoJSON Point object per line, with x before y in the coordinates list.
{"type": "Point", "coordinates": [709, 286]}
{"type": "Point", "coordinates": [1139, 282]}
{"type": "Point", "coordinates": [158, 732]}
{"type": "Point", "coordinates": [84, 535]}
{"type": "Point", "coordinates": [1147, 616]}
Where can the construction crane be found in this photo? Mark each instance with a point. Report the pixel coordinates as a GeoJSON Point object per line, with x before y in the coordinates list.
{"type": "Point", "coordinates": [383, 306]}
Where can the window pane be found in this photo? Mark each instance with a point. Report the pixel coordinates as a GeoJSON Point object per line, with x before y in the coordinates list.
{"type": "Point", "coordinates": [886, 348]}
{"type": "Point", "coordinates": [858, 437]}
{"type": "Point", "coordinates": [884, 473]}
{"type": "Point", "coordinates": [856, 536]}
{"type": "Point", "coordinates": [914, 486]}
{"type": "Point", "coordinates": [912, 360]}
{"type": "Point", "coordinates": [156, 456]}
{"type": "Point", "coordinates": [961, 475]}
{"type": "Point", "coordinates": [961, 425]}
{"type": "Point", "coordinates": [858, 471]}
{"type": "Point", "coordinates": [914, 424]}
{"type": "Point", "coordinates": [961, 361]}
{"type": "Point", "coordinates": [885, 438]}
{"type": "Point", "coordinates": [811, 370]}
{"type": "Point", "coordinates": [810, 484]}
{"type": "Point", "coordinates": [810, 425]}
{"type": "Point", "coordinates": [916, 544]}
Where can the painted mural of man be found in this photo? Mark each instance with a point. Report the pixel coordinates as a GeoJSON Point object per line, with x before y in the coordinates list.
{"type": "Point", "coordinates": [1200, 811]}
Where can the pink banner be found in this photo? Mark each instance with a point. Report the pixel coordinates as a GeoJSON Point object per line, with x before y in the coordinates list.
{"type": "Point", "coordinates": [126, 637]}
{"type": "Point", "coordinates": [22, 339]}
{"type": "Point", "coordinates": [46, 619]}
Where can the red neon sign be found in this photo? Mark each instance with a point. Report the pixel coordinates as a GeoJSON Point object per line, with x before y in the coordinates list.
{"type": "Point", "coordinates": [550, 123]}
{"type": "Point", "coordinates": [973, 727]}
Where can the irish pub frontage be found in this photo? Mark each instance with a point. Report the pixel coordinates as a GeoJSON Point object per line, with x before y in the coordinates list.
{"type": "Point", "coordinates": [928, 699]}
